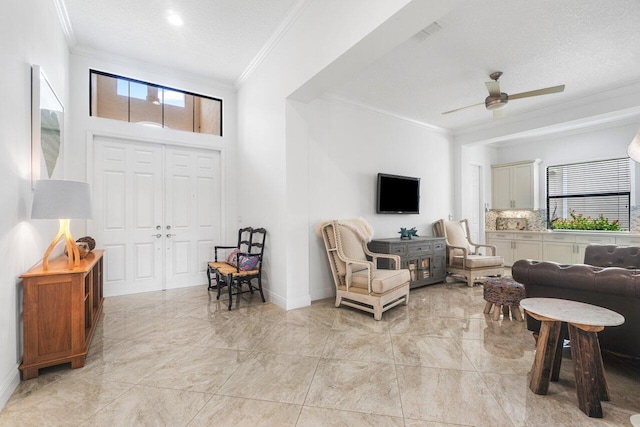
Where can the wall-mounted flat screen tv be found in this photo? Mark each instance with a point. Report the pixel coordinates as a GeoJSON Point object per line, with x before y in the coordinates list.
{"type": "Point", "coordinates": [398, 194]}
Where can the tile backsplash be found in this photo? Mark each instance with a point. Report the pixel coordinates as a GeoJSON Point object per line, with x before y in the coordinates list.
{"type": "Point", "coordinates": [537, 220]}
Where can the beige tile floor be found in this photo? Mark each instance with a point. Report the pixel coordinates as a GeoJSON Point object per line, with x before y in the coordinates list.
{"type": "Point", "coordinates": [179, 358]}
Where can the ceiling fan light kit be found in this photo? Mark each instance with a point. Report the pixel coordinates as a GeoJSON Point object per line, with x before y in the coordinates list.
{"type": "Point", "coordinates": [498, 100]}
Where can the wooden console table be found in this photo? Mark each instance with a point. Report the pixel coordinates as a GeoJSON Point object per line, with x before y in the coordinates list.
{"type": "Point", "coordinates": [61, 308]}
{"type": "Point", "coordinates": [584, 321]}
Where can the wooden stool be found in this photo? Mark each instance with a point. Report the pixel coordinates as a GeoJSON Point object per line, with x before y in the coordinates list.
{"type": "Point", "coordinates": [503, 294]}
{"type": "Point", "coordinates": [584, 321]}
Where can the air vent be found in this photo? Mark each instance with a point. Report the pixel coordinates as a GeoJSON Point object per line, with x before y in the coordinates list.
{"type": "Point", "coordinates": [430, 30]}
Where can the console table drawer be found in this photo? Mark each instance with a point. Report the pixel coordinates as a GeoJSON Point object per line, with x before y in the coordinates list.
{"type": "Point", "coordinates": [398, 250]}
{"type": "Point", "coordinates": [422, 247]}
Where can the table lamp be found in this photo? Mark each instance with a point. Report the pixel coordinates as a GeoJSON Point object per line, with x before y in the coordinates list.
{"type": "Point", "coordinates": [62, 200]}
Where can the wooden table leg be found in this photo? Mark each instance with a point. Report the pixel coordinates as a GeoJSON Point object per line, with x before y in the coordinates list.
{"type": "Point", "coordinates": [557, 360]}
{"type": "Point", "coordinates": [589, 376]}
{"type": "Point", "coordinates": [545, 355]}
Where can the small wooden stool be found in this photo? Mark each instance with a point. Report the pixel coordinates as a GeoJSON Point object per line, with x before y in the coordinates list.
{"type": "Point", "coordinates": [584, 321]}
{"type": "Point", "coordinates": [503, 294]}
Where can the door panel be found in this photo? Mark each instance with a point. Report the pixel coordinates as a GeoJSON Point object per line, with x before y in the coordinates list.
{"type": "Point", "coordinates": [192, 204]}
{"type": "Point", "coordinates": [128, 200]}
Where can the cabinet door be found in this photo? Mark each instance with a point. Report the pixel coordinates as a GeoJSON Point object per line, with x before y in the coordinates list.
{"type": "Point", "coordinates": [527, 250]}
{"type": "Point", "coordinates": [501, 188]}
{"type": "Point", "coordinates": [504, 249]}
{"type": "Point", "coordinates": [522, 191]}
{"type": "Point", "coordinates": [563, 253]}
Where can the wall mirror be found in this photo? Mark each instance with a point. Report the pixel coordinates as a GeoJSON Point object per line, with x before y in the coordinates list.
{"type": "Point", "coordinates": [47, 129]}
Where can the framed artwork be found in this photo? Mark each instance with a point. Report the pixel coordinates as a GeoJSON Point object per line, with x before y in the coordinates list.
{"type": "Point", "coordinates": [47, 129]}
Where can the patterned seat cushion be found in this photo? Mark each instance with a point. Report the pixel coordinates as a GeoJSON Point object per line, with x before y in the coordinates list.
{"type": "Point", "coordinates": [504, 291]}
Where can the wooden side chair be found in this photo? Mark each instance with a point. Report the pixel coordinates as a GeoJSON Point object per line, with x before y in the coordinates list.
{"type": "Point", "coordinates": [242, 265]}
{"type": "Point", "coordinates": [462, 257]}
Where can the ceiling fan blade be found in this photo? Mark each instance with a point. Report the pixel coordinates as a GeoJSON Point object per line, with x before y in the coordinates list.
{"type": "Point", "coordinates": [462, 108]}
{"type": "Point", "coordinates": [545, 91]}
{"type": "Point", "coordinates": [498, 114]}
{"type": "Point", "coordinates": [493, 88]}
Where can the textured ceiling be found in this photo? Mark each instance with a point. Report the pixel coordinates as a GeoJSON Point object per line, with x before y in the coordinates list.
{"type": "Point", "coordinates": [218, 39]}
{"type": "Point", "coordinates": [589, 45]}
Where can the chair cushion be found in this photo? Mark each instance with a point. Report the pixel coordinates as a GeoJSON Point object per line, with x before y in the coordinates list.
{"type": "Point", "coordinates": [231, 259]}
{"type": "Point", "coordinates": [246, 262]}
{"type": "Point", "coordinates": [382, 280]}
{"type": "Point", "coordinates": [478, 261]}
{"type": "Point", "coordinates": [456, 236]}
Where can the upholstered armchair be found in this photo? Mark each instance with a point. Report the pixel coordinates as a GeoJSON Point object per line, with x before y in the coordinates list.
{"type": "Point", "coordinates": [462, 257]}
{"type": "Point", "coordinates": [359, 283]}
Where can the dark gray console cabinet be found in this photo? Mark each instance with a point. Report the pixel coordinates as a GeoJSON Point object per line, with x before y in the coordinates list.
{"type": "Point", "coordinates": [424, 257]}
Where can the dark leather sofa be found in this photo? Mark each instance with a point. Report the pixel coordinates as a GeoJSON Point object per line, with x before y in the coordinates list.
{"type": "Point", "coordinates": [609, 277]}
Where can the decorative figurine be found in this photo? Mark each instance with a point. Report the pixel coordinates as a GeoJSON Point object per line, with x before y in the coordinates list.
{"type": "Point", "coordinates": [408, 234]}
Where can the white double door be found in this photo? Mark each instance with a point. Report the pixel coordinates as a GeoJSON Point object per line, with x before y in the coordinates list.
{"type": "Point", "coordinates": [157, 213]}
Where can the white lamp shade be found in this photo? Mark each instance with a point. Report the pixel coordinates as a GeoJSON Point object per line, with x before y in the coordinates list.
{"type": "Point", "coordinates": [634, 148]}
{"type": "Point", "coordinates": [53, 199]}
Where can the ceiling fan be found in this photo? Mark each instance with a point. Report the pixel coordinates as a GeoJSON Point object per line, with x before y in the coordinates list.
{"type": "Point", "coordinates": [497, 100]}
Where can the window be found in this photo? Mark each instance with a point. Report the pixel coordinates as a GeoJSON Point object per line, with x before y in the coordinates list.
{"type": "Point", "coordinates": [129, 100]}
{"type": "Point", "coordinates": [588, 193]}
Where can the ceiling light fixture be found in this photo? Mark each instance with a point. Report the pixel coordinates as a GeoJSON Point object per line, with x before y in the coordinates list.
{"type": "Point", "coordinates": [634, 148]}
{"type": "Point", "coordinates": [174, 19]}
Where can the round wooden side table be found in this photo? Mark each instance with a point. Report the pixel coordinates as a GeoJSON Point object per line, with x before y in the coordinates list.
{"type": "Point", "coordinates": [584, 321]}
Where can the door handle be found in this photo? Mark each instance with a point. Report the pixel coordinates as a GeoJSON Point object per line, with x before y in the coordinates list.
{"type": "Point", "coordinates": [157, 235]}
{"type": "Point", "coordinates": [170, 235]}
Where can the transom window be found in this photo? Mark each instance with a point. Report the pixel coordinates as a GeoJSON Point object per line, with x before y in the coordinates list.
{"type": "Point", "coordinates": [121, 98]}
{"type": "Point", "coordinates": [589, 195]}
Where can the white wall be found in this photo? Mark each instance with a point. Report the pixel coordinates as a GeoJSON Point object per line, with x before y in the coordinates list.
{"type": "Point", "coordinates": [30, 33]}
{"type": "Point", "coordinates": [590, 143]}
{"type": "Point", "coordinates": [348, 147]}
{"type": "Point", "coordinates": [270, 131]}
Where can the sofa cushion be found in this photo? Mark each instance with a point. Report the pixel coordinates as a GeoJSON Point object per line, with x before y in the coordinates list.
{"type": "Point", "coordinates": [478, 261]}
{"type": "Point", "coordinates": [612, 256]}
{"type": "Point", "coordinates": [382, 281]}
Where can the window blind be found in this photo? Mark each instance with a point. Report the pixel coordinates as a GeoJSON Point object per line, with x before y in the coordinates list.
{"type": "Point", "coordinates": [591, 189]}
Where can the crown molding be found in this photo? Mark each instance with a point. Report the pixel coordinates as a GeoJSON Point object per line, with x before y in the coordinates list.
{"type": "Point", "coordinates": [332, 97]}
{"type": "Point", "coordinates": [155, 68]}
{"type": "Point", "coordinates": [67, 29]}
{"type": "Point", "coordinates": [280, 32]}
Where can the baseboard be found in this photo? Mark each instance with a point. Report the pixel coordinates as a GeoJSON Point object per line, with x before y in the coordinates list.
{"type": "Point", "coordinates": [275, 299]}
{"type": "Point", "coordinates": [293, 303]}
{"type": "Point", "coordinates": [288, 304]}
{"type": "Point", "coordinates": [8, 385]}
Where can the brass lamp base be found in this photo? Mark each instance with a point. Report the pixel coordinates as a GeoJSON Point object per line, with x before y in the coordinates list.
{"type": "Point", "coordinates": [72, 249]}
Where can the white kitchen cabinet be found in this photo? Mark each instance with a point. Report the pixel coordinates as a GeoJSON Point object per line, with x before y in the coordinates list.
{"type": "Point", "coordinates": [515, 246]}
{"type": "Point", "coordinates": [628, 240]}
{"type": "Point", "coordinates": [515, 185]}
{"type": "Point", "coordinates": [569, 248]}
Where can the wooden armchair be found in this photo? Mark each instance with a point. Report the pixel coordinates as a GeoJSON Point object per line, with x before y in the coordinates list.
{"type": "Point", "coordinates": [359, 283]}
{"type": "Point", "coordinates": [242, 266]}
{"type": "Point", "coordinates": [462, 257]}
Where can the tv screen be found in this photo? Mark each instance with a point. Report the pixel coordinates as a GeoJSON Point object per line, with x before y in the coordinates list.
{"type": "Point", "coordinates": [398, 194]}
